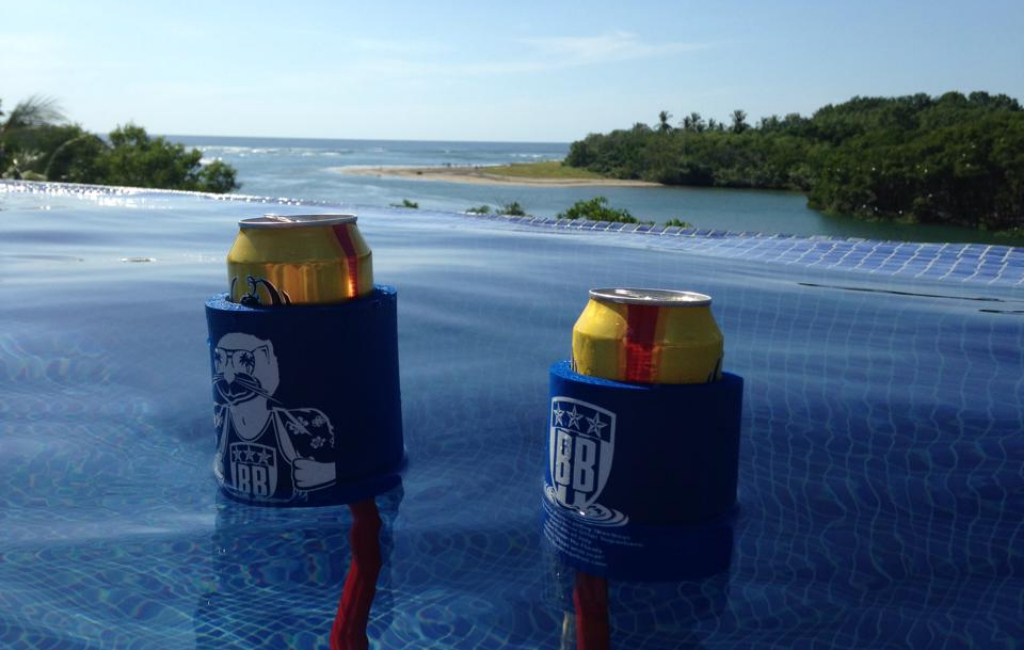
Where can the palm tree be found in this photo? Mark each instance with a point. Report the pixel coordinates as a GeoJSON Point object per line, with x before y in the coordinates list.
{"type": "Point", "coordinates": [34, 111]}
{"type": "Point", "coordinates": [739, 121]}
{"type": "Point", "coordinates": [26, 115]}
{"type": "Point", "coordinates": [663, 118]}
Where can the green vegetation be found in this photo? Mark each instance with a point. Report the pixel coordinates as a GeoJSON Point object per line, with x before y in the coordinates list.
{"type": "Point", "coordinates": [135, 159]}
{"type": "Point", "coordinates": [678, 223]}
{"type": "Point", "coordinates": [553, 169]}
{"type": "Point", "coordinates": [36, 143]}
{"type": "Point", "coordinates": [513, 209]}
{"type": "Point", "coordinates": [406, 203]}
{"type": "Point", "coordinates": [596, 209]}
{"type": "Point", "coordinates": [950, 159]}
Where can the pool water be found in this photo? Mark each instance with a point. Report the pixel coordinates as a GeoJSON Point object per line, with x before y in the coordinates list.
{"type": "Point", "coordinates": [882, 458]}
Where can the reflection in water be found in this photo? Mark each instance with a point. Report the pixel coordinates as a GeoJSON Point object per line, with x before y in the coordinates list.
{"type": "Point", "coordinates": [600, 612]}
{"type": "Point", "coordinates": [590, 603]}
{"type": "Point", "coordinates": [278, 573]}
{"type": "Point", "coordinates": [349, 629]}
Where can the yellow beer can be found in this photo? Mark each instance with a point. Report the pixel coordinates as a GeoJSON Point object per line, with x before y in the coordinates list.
{"type": "Point", "coordinates": [302, 259]}
{"type": "Point", "coordinates": [651, 336]}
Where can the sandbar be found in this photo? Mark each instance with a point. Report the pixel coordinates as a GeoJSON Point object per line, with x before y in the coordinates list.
{"type": "Point", "coordinates": [480, 175]}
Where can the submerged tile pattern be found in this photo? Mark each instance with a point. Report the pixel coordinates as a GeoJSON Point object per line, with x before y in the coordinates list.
{"type": "Point", "coordinates": [982, 263]}
{"type": "Point", "coordinates": [882, 461]}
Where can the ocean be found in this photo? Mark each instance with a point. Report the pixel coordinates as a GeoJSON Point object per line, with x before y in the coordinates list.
{"type": "Point", "coordinates": [312, 169]}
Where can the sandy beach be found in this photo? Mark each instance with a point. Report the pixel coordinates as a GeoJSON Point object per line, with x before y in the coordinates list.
{"type": "Point", "coordinates": [481, 176]}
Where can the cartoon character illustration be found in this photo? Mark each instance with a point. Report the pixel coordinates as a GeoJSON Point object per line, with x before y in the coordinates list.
{"type": "Point", "coordinates": [265, 452]}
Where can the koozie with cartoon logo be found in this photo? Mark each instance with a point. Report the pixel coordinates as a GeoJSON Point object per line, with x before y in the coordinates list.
{"type": "Point", "coordinates": [307, 409]}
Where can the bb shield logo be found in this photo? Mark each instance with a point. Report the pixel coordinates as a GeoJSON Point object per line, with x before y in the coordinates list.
{"type": "Point", "coordinates": [580, 452]}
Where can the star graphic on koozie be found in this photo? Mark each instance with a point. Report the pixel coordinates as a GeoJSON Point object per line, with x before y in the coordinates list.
{"type": "Point", "coordinates": [558, 413]}
{"type": "Point", "coordinates": [264, 458]}
{"type": "Point", "coordinates": [596, 425]}
{"type": "Point", "coordinates": [236, 455]}
{"type": "Point", "coordinates": [249, 455]}
{"type": "Point", "coordinates": [574, 418]}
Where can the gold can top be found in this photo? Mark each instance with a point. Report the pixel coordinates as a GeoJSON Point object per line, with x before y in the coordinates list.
{"type": "Point", "coordinates": [652, 297]}
{"type": "Point", "coordinates": [651, 336]}
{"type": "Point", "coordinates": [296, 221]}
{"type": "Point", "coordinates": [300, 259]}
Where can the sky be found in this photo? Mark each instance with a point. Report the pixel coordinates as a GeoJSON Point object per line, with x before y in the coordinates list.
{"type": "Point", "coordinates": [528, 71]}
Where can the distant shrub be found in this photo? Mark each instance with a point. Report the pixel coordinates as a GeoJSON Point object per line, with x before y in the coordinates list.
{"type": "Point", "coordinates": [479, 209]}
{"type": "Point", "coordinates": [513, 209]}
{"type": "Point", "coordinates": [596, 209]}
{"type": "Point", "coordinates": [678, 223]}
{"type": "Point", "coordinates": [406, 203]}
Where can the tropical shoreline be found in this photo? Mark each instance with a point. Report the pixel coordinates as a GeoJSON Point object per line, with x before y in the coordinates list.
{"type": "Point", "coordinates": [479, 175]}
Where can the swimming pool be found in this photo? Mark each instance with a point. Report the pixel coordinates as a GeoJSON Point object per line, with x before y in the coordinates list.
{"type": "Point", "coordinates": [882, 460]}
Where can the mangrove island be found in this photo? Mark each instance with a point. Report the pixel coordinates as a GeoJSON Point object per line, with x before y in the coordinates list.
{"type": "Point", "coordinates": [955, 158]}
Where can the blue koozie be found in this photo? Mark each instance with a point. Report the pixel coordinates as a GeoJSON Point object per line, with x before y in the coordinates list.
{"type": "Point", "coordinates": [640, 479]}
{"type": "Point", "coordinates": [307, 408]}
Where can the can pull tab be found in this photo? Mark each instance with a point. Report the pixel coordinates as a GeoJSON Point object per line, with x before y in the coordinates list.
{"type": "Point", "coordinates": [279, 218]}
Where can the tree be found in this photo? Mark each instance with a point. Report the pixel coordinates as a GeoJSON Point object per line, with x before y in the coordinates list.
{"type": "Point", "coordinates": [663, 125]}
{"type": "Point", "coordinates": [694, 122]}
{"type": "Point", "coordinates": [770, 123]}
{"type": "Point", "coordinates": [37, 144]}
{"type": "Point", "coordinates": [73, 154]}
{"type": "Point", "coordinates": [17, 130]}
{"type": "Point", "coordinates": [956, 158]}
{"type": "Point", "coordinates": [138, 160]}
{"type": "Point", "coordinates": [739, 121]}
{"type": "Point", "coordinates": [28, 114]}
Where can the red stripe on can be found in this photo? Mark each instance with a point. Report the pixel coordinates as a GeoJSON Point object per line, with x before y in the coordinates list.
{"type": "Point", "coordinates": [341, 233]}
{"type": "Point", "coordinates": [641, 327]}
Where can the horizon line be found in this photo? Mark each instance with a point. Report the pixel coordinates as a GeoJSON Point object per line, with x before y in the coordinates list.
{"type": "Point", "coordinates": [423, 140]}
